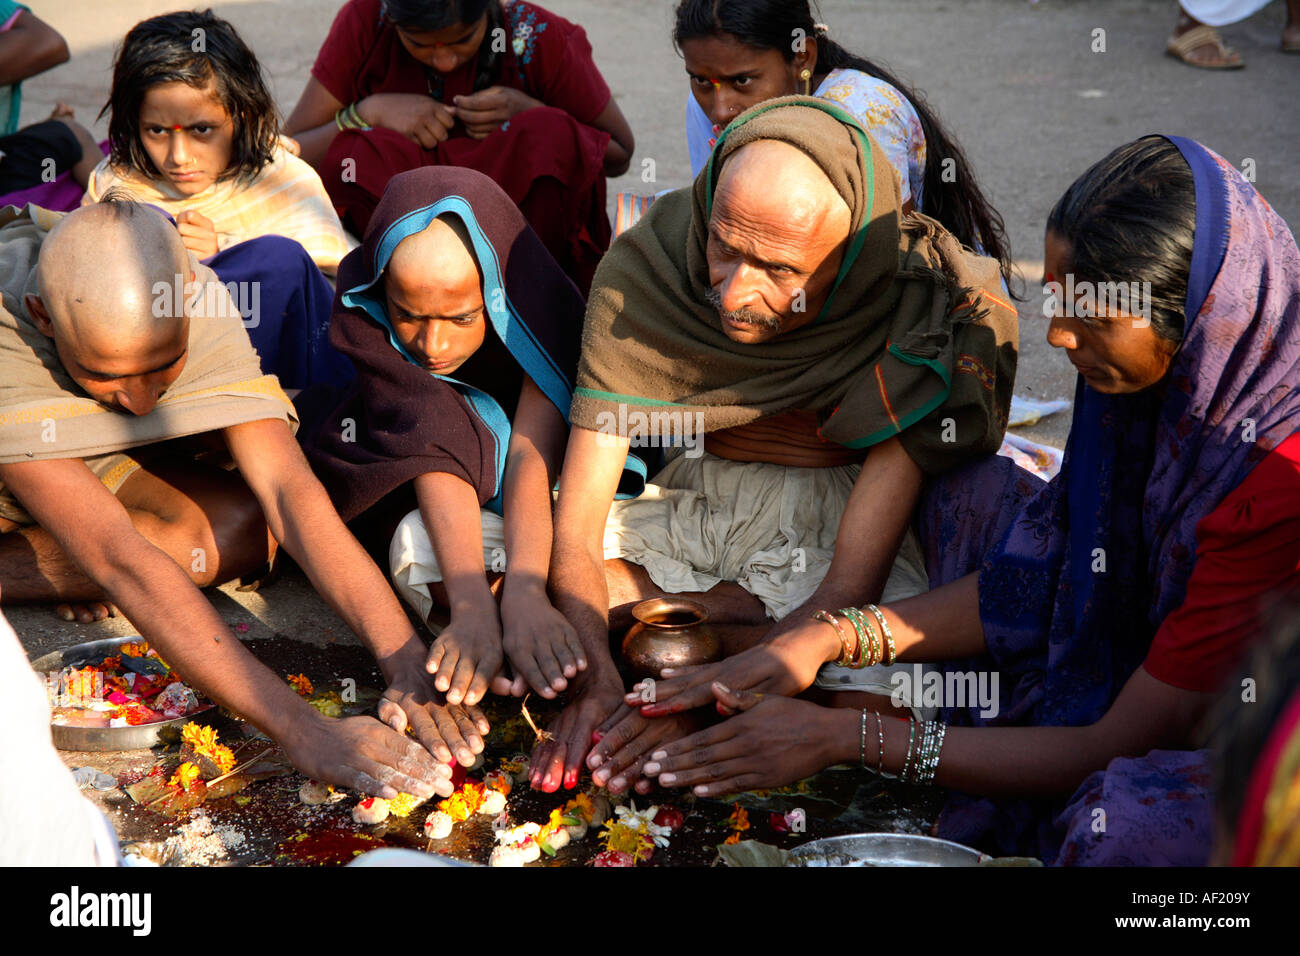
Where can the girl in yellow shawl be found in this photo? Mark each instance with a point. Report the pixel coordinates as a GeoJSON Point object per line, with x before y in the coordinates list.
{"type": "Point", "coordinates": [193, 129]}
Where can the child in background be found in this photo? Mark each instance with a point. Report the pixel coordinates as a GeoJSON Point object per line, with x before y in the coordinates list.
{"type": "Point", "coordinates": [465, 334]}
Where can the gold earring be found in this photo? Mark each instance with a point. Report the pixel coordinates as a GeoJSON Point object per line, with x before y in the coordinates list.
{"type": "Point", "coordinates": [806, 76]}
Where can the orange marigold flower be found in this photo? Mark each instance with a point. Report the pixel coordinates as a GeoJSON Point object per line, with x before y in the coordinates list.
{"type": "Point", "coordinates": [464, 803]}
{"type": "Point", "coordinates": [301, 684]}
{"type": "Point", "coordinates": [739, 819]}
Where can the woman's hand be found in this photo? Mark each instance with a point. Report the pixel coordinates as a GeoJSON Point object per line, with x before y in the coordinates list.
{"type": "Point", "coordinates": [484, 112]}
{"type": "Point", "coordinates": [771, 742]}
{"type": "Point", "coordinates": [541, 644]}
{"type": "Point", "coordinates": [414, 115]}
{"type": "Point", "coordinates": [198, 233]}
{"type": "Point", "coordinates": [467, 655]}
{"type": "Point", "coordinates": [786, 665]}
{"type": "Point", "coordinates": [626, 741]}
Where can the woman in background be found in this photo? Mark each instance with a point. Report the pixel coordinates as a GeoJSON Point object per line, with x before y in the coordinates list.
{"type": "Point", "coordinates": [508, 89]}
{"type": "Point", "coordinates": [742, 52]}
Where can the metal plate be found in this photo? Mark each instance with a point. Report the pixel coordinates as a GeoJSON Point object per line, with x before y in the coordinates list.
{"type": "Point", "coordinates": [883, 849]}
{"type": "Point", "coordinates": [139, 737]}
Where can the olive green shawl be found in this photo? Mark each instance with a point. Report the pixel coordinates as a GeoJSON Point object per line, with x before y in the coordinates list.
{"type": "Point", "coordinates": [916, 339]}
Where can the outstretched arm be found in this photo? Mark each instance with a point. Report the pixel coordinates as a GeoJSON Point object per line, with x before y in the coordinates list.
{"type": "Point", "coordinates": [774, 741]}
{"type": "Point", "coordinates": [542, 645]}
{"type": "Point", "coordinates": [95, 531]}
{"type": "Point", "coordinates": [302, 518]}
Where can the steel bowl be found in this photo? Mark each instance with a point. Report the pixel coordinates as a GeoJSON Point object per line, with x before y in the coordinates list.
{"type": "Point", "coordinates": [884, 849]}
{"type": "Point", "coordinates": [98, 739]}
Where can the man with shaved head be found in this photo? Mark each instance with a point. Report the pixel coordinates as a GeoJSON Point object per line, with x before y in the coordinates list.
{"type": "Point", "coordinates": [834, 355]}
{"type": "Point", "coordinates": [126, 379]}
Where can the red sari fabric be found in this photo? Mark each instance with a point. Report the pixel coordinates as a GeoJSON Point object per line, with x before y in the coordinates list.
{"type": "Point", "coordinates": [549, 161]}
{"type": "Point", "coordinates": [1247, 552]}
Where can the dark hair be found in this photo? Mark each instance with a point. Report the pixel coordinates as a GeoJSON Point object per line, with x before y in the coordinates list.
{"type": "Point", "coordinates": [1241, 729]}
{"type": "Point", "coordinates": [162, 49]}
{"type": "Point", "coordinates": [440, 14]}
{"type": "Point", "coordinates": [1132, 218]}
{"type": "Point", "coordinates": [956, 200]}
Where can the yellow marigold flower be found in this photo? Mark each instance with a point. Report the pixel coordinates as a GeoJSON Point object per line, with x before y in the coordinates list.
{"type": "Point", "coordinates": [402, 804]}
{"type": "Point", "coordinates": [184, 776]}
{"type": "Point", "coordinates": [582, 806]}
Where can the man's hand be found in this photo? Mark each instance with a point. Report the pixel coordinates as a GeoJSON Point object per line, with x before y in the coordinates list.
{"type": "Point", "coordinates": [785, 665]}
{"type": "Point", "coordinates": [363, 754]}
{"type": "Point", "coordinates": [466, 655]}
{"type": "Point", "coordinates": [447, 731]}
{"type": "Point", "coordinates": [414, 115]}
{"type": "Point", "coordinates": [559, 759]}
{"type": "Point", "coordinates": [198, 233]}
{"type": "Point", "coordinates": [539, 641]}
{"type": "Point", "coordinates": [773, 741]}
{"type": "Point", "coordinates": [484, 112]}
{"type": "Point", "coordinates": [626, 741]}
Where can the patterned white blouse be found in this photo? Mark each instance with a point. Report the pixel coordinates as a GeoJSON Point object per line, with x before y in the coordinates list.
{"type": "Point", "coordinates": [880, 108]}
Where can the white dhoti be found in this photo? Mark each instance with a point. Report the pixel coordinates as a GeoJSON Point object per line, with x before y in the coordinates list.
{"type": "Point", "coordinates": [769, 528]}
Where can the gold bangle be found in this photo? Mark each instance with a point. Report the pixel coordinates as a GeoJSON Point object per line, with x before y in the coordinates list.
{"type": "Point", "coordinates": [833, 621]}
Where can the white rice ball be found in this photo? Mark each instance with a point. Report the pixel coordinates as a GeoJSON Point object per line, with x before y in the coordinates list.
{"type": "Point", "coordinates": [494, 801]}
{"type": "Point", "coordinates": [507, 856]}
{"type": "Point", "coordinates": [370, 811]}
{"type": "Point", "coordinates": [437, 825]}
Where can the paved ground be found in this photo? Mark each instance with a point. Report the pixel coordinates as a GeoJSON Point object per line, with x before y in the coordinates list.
{"type": "Point", "coordinates": [1019, 84]}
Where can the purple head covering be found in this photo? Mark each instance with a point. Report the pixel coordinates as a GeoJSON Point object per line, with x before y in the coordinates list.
{"type": "Point", "coordinates": [1072, 596]}
{"type": "Point", "coordinates": [1074, 568]}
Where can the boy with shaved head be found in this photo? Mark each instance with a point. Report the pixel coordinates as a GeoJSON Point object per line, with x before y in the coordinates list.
{"type": "Point", "coordinates": [120, 357]}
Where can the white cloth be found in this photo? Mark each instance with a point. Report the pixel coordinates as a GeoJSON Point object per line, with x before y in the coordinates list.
{"type": "Point", "coordinates": [1220, 13]}
{"type": "Point", "coordinates": [44, 819]}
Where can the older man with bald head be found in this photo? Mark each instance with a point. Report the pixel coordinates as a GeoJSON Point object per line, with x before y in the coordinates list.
{"type": "Point", "coordinates": [123, 362]}
{"type": "Point", "coordinates": [832, 353]}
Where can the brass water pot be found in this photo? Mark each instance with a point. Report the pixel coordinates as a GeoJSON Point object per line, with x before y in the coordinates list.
{"type": "Point", "coordinates": [670, 632]}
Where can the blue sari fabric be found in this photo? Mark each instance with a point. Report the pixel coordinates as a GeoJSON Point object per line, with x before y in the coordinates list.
{"type": "Point", "coordinates": [290, 329]}
{"type": "Point", "coordinates": [1074, 591]}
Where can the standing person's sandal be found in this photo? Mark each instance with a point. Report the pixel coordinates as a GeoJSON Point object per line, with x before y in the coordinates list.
{"type": "Point", "coordinates": [1197, 38]}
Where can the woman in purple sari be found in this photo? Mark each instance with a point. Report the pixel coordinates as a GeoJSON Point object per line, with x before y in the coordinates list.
{"type": "Point", "coordinates": [1108, 605]}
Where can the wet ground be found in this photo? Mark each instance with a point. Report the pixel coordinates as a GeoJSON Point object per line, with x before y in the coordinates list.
{"type": "Point", "coordinates": [265, 824]}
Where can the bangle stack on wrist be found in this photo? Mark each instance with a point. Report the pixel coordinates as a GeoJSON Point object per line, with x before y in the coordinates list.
{"type": "Point", "coordinates": [349, 118]}
{"type": "Point", "coordinates": [922, 761]}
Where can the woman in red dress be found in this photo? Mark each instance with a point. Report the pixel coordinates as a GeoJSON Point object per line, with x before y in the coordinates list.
{"type": "Point", "coordinates": [506, 88]}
